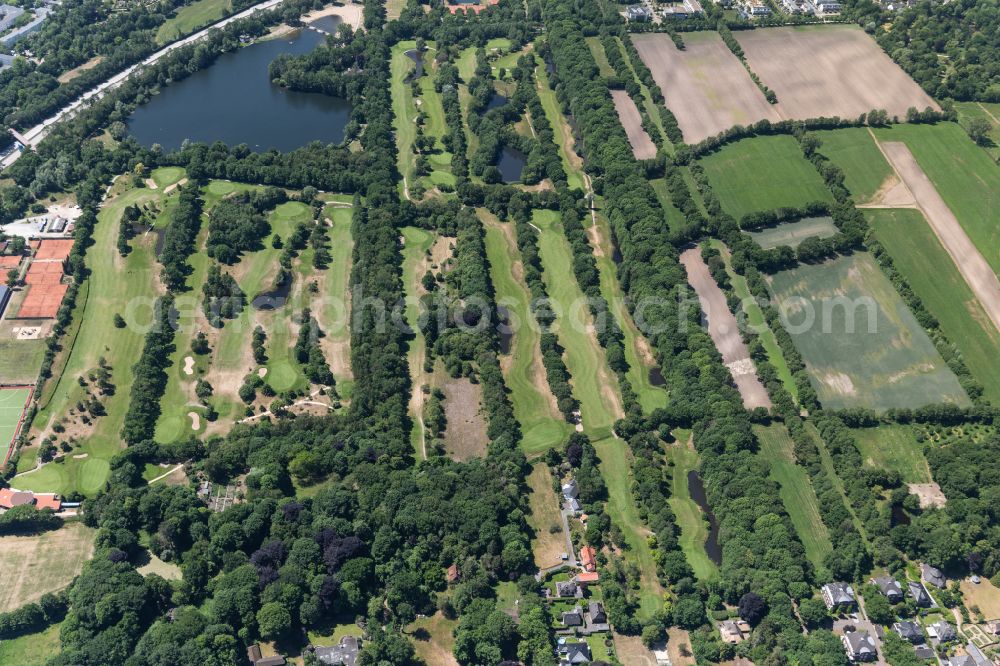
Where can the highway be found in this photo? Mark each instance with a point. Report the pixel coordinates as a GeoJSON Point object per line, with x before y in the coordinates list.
{"type": "Point", "coordinates": [35, 135]}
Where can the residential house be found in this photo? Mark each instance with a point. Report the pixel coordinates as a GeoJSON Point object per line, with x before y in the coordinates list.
{"type": "Point", "coordinates": [10, 497]}
{"type": "Point", "coordinates": [993, 627]}
{"type": "Point", "coordinates": [932, 576]}
{"type": "Point", "coordinates": [924, 652]}
{"type": "Point", "coordinates": [730, 632]}
{"type": "Point", "coordinates": [639, 13]}
{"type": "Point", "coordinates": [755, 8]}
{"type": "Point", "coordinates": [942, 631]}
{"type": "Point", "coordinates": [344, 654]}
{"type": "Point", "coordinates": [574, 653]}
{"type": "Point", "coordinates": [890, 587]}
{"type": "Point", "coordinates": [573, 618]}
{"type": "Point", "coordinates": [838, 596]}
{"type": "Point", "coordinates": [586, 578]}
{"type": "Point", "coordinates": [919, 594]}
{"type": "Point", "coordinates": [959, 660]}
{"type": "Point", "coordinates": [573, 505]}
{"type": "Point", "coordinates": [570, 490]}
{"type": "Point", "coordinates": [596, 612]}
{"type": "Point", "coordinates": [566, 588]}
{"type": "Point", "coordinates": [977, 655]}
{"type": "Point", "coordinates": [859, 645]}
{"type": "Point", "coordinates": [588, 558]}
{"type": "Point", "coordinates": [909, 631]}
{"type": "Point", "coordinates": [256, 659]}
{"type": "Point", "coordinates": [826, 7]}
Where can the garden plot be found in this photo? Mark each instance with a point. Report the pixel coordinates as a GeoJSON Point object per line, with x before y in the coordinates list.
{"type": "Point", "coordinates": [861, 344]}
{"type": "Point", "coordinates": [705, 85]}
{"type": "Point", "coordinates": [829, 70]}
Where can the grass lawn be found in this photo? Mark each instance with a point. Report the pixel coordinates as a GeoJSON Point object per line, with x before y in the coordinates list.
{"type": "Point", "coordinates": [917, 253]}
{"type": "Point", "coordinates": [594, 385]}
{"type": "Point", "coordinates": [433, 639]}
{"type": "Point", "coordinates": [792, 234]}
{"type": "Point", "coordinates": [435, 125]}
{"type": "Point", "coordinates": [894, 447]}
{"type": "Point", "coordinates": [191, 17]}
{"type": "Point", "coordinates": [600, 57]}
{"type": "Point", "coordinates": [20, 360]}
{"type": "Point", "coordinates": [865, 351]}
{"type": "Point", "coordinates": [417, 243]}
{"type": "Point", "coordinates": [167, 176]}
{"type": "Point", "coordinates": [675, 218]}
{"type": "Point", "coordinates": [542, 426]}
{"type": "Point", "coordinates": [638, 351]}
{"type": "Point", "coordinates": [563, 133]}
{"type": "Point", "coordinates": [984, 595]}
{"type": "Point", "coordinates": [32, 649]}
{"type": "Point", "coordinates": [694, 529]}
{"type": "Point", "coordinates": [755, 319]}
{"type": "Point", "coordinates": [334, 317]}
{"type": "Point", "coordinates": [777, 447]}
{"type": "Point", "coordinates": [616, 468]}
{"type": "Point", "coordinates": [403, 108]}
{"type": "Point", "coordinates": [12, 404]}
{"type": "Point", "coordinates": [30, 566]}
{"type": "Point", "coordinates": [990, 112]}
{"type": "Point", "coordinates": [865, 168]}
{"type": "Point", "coordinates": [963, 174]}
{"type": "Point", "coordinates": [547, 546]}
{"type": "Point", "coordinates": [763, 173]}
{"type": "Point", "coordinates": [124, 285]}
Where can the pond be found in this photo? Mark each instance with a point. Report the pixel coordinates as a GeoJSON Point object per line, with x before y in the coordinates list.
{"type": "Point", "coordinates": [495, 102]}
{"type": "Point", "coordinates": [656, 376]}
{"type": "Point", "coordinates": [234, 101]}
{"type": "Point", "coordinates": [418, 60]}
{"type": "Point", "coordinates": [697, 490]}
{"type": "Point", "coordinates": [511, 164]}
{"type": "Point", "coordinates": [504, 331]}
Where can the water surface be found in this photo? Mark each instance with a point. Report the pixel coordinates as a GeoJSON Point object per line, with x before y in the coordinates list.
{"type": "Point", "coordinates": [697, 490]}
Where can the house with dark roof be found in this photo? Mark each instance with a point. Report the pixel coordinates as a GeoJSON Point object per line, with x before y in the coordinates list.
{"type": "Point", "coordinates": [993, 627]}
{"type": "Point", "coordinates": [859, 645]}
{"type": "Point", "coordinates": [596, 612]}
{"type": "Point", "coordinates": [639, 13]}
{"type": "Point", "coordinates": [919, 594]}
{"type": "Point", "coordinates": [344, 654]}
{"type": "Point", "coordinates": [960, 660]}
{"type": "Point", "coordinates": [569, 490]}
{"type": "Point", "coordinates": [889, 587]}
{"type": "Point", "coordinates": [574, 653]}
{"type": "Point", "coordinates": [924, 652]}
{"type": "Point", "coordinates": [572, 618]}
{"type": "Point", "coordinates": [256, 659]}
{"type": "Point", "coordinates": [838, 596]}
{"type": "Point", "coordinates": [932, 576]}
{"type": "Point", "coordinates": [909, 631]}
{"type": "Point", "coordinates": [977, 655]}
{"type": "Point", "coordinates": [566, 588]}
{"type": "Point", "coordinates": [942, 631]}
{"type": "Point", "coordinates": [730, 632]}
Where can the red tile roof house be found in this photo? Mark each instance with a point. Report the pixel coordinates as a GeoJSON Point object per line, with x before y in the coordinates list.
{"type": "Point", "coordinates": [9, 498]}
{"type": "Point", "coordinates": [588, 558]}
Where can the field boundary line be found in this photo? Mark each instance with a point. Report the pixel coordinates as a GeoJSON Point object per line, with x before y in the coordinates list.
{"type": "Point", "coordinates": [969, 261]}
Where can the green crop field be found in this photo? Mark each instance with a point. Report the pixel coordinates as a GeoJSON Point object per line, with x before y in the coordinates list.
{"type": "Point", "coordinates": [12, 403]}
{"type": "Point", "coordinates": [594, 385]}
{"type": "Point", "coordinates": [690, 519]}
{"type": "Point", "coordinates": [755, 319]}
{"type": "Point", "coordinates": [797, 494]}
{"type": "Point", "coordinates": [865, 168]}
{"type": "Point", "coordinates": [964, 175]}
{"type": "Point", "coordinates": [894, 447]}
{"type": "Point", "coordinates": [793, 233]}
{"type": "Point", "coordinates": [932, 274]}
{"type": "Point", "coordinates": [861, 344]}
{"type": "Point", "coordinates": [763, 173]}
{"type": "Point", "coordinates": [542, 426]}
{"type": "Point", "coordinates": [189, 18]}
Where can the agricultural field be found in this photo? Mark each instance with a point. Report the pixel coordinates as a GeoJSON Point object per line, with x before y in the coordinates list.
{"type": "Point", "coordinates": [894, 447]}
{"type": "Point", "coordinates": [867, 174]}
{"type": "Point", "coordinates": [542, 426]}
{"type": "Point", "coordinates": [792, 234]}
{"type": "Point", "coordinates": [797, 494]}
{"type": "Point", "coordinates": [862, 346]}
{"type": "Point", "coordinates": [829, 70]}
{"type": "Point", "coordinates": [935, 279]}
{"type": "Point", "coordinates": [30, 566]}
{"type": "Point", "coordinates": [643, 147]}
{"type": "Point", "coordinates": [705, 85]}
{"type": "Point", "coordinates": [763, 173]}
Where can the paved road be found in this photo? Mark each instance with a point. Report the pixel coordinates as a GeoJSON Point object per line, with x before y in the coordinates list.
{"type": "Point", "coordinates": [38, 132]}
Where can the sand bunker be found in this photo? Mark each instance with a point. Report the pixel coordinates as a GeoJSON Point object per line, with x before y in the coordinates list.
{"type": "Point", "coordinates": [188, 365]}
{"type": "Point", "coordinates": [195, 420]}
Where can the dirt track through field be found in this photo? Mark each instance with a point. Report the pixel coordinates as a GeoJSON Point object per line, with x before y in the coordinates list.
{"type": "Point", "coordinates": [830, 70]}
{"type": "Point", "coordinates": [724, 330]}
{"type": "Point", "coordinates": [705, 85]}
{"type": "Point", "coordinates": [969, 260]}
{"type": "Point", "coordinates": [642, 146]}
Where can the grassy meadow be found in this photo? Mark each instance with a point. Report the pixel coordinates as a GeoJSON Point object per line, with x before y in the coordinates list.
{"type": "Point", "coordinates": [865, 168]}
{"type": "Point", "coordinates": [191, 17]}
{"type": "Point", "coordinates": [894, 447]}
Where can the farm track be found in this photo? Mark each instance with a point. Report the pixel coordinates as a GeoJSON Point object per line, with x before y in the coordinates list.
{"type": "Point", "coordinates": [968, 259]}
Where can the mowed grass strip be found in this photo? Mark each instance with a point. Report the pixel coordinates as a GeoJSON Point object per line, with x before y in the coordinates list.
{"type": "Point", "coordinates": [861, 344]}
{"type": "Point", "coordinates": [894, 447]}
{"type": "Point", "coordinates": [542, 426]}
{"type": "Point", "coordinates": [572, 164]}
{"type": "Point", "coordinates": [404, 111]}
{"type": "Point", "coordinates": [865, 169]}
{"type": "Point", "coordinates": [963, 174]}
{"type": "Point", "coordinates": [763, 173]}
{"type": "Point", "coordinates": [594, 385]}
{"type": "Point", "coordinates": [690, 519]}
{"type": "Point", "coordinates": [797, 494]}
{"type": "Point", "coordinates": [416, 244]}
{"type": "Point", "coordinates": [930, 271]}
{"type": "Point", "coordinates": [334, 315]}
{"type": "Point", "coordinates": [600, 57]}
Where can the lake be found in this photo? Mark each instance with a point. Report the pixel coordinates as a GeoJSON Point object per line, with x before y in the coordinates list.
{"type": "Point", "coordinates": [511, 164]}
{"type": "Point", "coordinates": [234, 101]}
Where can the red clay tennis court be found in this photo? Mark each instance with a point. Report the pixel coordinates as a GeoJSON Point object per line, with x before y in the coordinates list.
{"type": "Point", "coordinates": [9, 262]}
{"type": "Point", "coordinates": [54, 249]}
{"type": "Point", "coordinates": [42, 301]}
{"type": "Point", "coordinates": [46, 272]}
